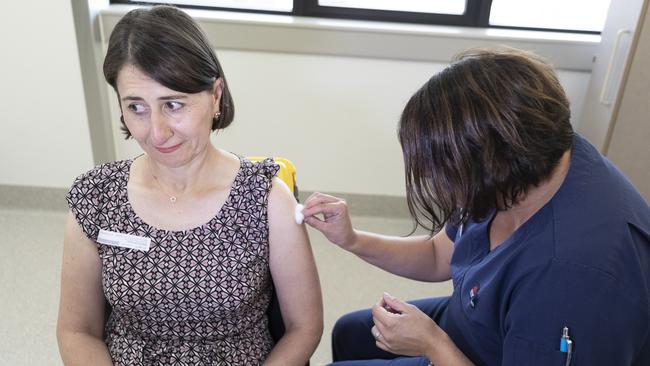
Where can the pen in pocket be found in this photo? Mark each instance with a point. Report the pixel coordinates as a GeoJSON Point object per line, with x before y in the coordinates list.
{"type": "Point", "coordinates": [566, 345]}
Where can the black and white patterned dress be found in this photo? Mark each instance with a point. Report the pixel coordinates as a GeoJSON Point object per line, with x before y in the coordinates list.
{"type": "Point", "coordinates": [197, 296]}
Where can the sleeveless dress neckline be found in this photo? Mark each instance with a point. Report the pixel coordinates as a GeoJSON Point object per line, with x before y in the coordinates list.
{"type": "Point", "coordinates": [234, 186]}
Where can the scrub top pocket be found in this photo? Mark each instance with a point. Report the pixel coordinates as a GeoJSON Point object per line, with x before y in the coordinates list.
{"type": "Point", "coordinates": [529, 353]}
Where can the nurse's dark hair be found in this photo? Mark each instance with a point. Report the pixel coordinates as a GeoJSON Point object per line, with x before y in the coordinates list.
{"type": "Point", "coordinates": [480, 133]}
{"type": "Point", "coordinates": [168, 46]}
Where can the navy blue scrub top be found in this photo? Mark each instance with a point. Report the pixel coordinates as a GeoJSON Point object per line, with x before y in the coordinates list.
{"type": "Point", "coordinates": [582, 262]}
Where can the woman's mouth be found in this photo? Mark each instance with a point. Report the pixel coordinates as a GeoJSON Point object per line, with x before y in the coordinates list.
{"type": "Point", "coordinates": [167, 150]}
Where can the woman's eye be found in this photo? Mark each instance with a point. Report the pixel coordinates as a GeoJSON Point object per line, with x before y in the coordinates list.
{"type": "Point", "coordinates": [174, 106]}
{"type": "Point", "coordinates": [136, 108]}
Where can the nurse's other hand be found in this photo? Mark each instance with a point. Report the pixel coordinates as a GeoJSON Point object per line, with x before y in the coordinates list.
{"type": "Point", "coordinates": [334, 221]}
{"type": "Point", "coordinates": [402, 328]}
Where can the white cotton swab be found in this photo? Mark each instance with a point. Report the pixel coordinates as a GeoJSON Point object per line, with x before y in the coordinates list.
{"type": "Point", "coordinates": [298, 216]}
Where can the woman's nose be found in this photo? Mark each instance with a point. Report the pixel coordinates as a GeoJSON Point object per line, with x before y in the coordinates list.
{"type": "Point", "coordinates": [160, 130]}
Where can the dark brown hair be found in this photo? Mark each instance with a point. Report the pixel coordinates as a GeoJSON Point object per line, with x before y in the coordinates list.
{"type": "Point", "coordinates": [480, 133]}
{"type": "Point", "coordinates": [168, 46]}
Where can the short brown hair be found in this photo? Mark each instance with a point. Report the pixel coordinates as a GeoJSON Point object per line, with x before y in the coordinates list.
{"type": "Point", "coordinates": [166, 44]}
{"type": "Point", "coordinates": [480, 133]}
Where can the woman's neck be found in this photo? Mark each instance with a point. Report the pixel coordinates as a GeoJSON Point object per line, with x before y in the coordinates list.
{"type": "Point", "coordinates": [185, 178]}
{"type": "Point", "coordinates": [507, 221]}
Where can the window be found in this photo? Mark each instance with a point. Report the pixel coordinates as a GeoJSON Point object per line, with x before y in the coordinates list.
{"type": "Point", "coordinates": [441, 6]}
{"type": "Point", "coordinates": [575, 15]}
{"type": "Point", "coordinates": [268, 5]}
{"type": "Point", "coordinates": [584, 16]}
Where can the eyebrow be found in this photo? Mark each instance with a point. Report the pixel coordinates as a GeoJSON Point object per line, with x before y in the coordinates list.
{"type": "Point", "coordinates": [166, 97]}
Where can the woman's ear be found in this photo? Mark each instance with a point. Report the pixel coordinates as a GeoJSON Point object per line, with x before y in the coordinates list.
{"type": "Point", "coordinates": [217, 90]}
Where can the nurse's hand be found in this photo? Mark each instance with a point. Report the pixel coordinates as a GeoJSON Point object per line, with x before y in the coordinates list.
{"type": "Point", "coordinates": [403, 329]}
{"type": "Point", "coordinates": [334, 221]}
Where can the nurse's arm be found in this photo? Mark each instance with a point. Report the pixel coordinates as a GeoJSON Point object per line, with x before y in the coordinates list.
{"type": "Point", "coordinates": [81, 309]}
{"type": "Point", "coordinates": [421, 258]}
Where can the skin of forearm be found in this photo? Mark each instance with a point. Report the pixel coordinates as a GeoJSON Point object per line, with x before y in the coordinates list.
{"type": "Point", "coordinates": [79, 349]}
{"type": "Point", "coordinates": [295, 347]}
{"type": "Point", "coordinates": [410, 257]}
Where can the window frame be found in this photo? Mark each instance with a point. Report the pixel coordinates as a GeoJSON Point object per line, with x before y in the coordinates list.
{"type": "Point", "coordinates": [477, 15]}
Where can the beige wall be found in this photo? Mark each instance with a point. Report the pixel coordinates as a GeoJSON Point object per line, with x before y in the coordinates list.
{"type": "Point", "coordinates": [44, 138]}
{"type": "Point", "coordinates": [334, 117]}
{"type": "Point", "coordinates": [629, 146]}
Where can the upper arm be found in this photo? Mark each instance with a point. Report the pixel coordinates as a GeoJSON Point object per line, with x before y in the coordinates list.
{"type": "Point", "coordinates": [291, 261]}
{"type": "Point", "coordinates": [81, 307]}
{"type": "Point", "coordinates": [443, 249]}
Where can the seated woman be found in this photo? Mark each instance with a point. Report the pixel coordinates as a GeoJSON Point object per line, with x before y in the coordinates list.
{"type": "Point", "coordinates": [186, 240]}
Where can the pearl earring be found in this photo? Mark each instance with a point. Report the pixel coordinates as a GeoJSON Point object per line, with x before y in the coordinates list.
{"type": "Point", "coordinates": [217, 115]}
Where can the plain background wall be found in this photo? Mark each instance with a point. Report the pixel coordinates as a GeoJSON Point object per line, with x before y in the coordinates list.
{"type": "Point", "coordinates": [628, 148]}
{"type": "Point", "coordinates": [334, 117]}
{"type": "Point", "coordinates": [44, 139]}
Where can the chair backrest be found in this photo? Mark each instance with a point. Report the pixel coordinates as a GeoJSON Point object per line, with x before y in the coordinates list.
{"type": "Point", "coordinates": [287, 172]}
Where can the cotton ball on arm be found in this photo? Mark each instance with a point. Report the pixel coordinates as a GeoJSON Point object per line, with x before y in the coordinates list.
{"type": "Point", "coordinates": [299, 217]}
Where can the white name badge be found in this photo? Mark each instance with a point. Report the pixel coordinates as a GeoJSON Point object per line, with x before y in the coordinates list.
{"type": "Point", "coordinates": [123, 240]}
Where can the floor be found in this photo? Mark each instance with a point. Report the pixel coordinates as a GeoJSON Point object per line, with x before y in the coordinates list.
{"type": "Point", "coordinates": [29, 282]}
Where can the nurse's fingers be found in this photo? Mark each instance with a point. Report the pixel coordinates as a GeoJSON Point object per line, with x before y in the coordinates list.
{"type": "Point", "coordinates": [381, 316]}
{"type": "Point", "coordinates": [383, 346]}
{"type": "Point", "coordinates": [327, 209]}
{"type": "Point", "coordinates": [319, 198]}
{"type": "Point", "coordinates": [380, 341]}
{"type": "Point", "coordinates": [393, 304]}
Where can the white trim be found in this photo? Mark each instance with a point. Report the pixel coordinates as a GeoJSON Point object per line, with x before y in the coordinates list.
{"type": "Point", "coordinates": [292, 34]}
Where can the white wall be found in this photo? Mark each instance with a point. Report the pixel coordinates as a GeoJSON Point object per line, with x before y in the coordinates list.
{"type": "Point", "coordinates": [334, 117]}
{"type": "Point", "coordinates": [44, 138]}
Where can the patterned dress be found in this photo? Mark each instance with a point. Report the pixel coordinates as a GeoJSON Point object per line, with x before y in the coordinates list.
{"type": "Point", "coordinates": [197, 296]}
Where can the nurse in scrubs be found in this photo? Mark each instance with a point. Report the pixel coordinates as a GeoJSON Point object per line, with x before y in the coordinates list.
{"type": "Point", "coordinates": [547, 243]}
